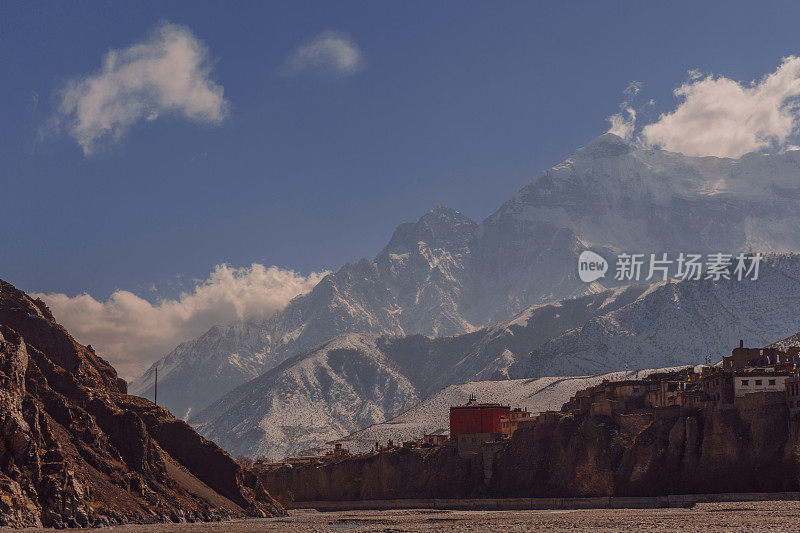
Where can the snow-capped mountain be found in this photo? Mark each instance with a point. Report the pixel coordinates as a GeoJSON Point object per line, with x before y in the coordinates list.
{"type": "Point", "coordinates": [356, 380]}
{"type": "Point", "coordinates": [671, 323]}
{"type": "Point", "coordinates": [412, 287]}
{"type": "Point", "coordinates": [345, 384]}
{"type": "Point", "coordinates": [446, 275]}
{"type": "Point", "coordinates": [207, 367]}
{"type": "Point", "coordinates": [678, 322]}
{"type": "Point", "coordinates": [612, 196]}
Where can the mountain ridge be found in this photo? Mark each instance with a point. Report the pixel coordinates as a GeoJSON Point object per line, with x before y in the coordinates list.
{"type": "Point", "coordinates": [674, 323]}
{"type": "Point", "coordinates": [446, 275]}
{"type": "Point", "coordinates": [261, 417]}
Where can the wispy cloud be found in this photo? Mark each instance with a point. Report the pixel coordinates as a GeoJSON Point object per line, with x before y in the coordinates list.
{"type": "Point", "coordinates": [624, 122]}
{"type": "Point", "coordinates": [718, 116]}
{"type": "Point", "coordinates": [169, 73]}
{"type": "Point", "coordinates": [133, 333]}
{"type": "Point", "coordinates": [330, 52]}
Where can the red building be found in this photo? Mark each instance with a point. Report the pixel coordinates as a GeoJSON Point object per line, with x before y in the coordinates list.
{"type": "Point", "coordinates": [474, 417]}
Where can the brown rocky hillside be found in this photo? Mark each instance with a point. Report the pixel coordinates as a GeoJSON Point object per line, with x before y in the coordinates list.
{"type": "Point", "coordinates": [77, 450]}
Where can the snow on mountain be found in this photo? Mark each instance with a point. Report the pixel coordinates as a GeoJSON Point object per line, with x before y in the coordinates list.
{"type": "Point", "coordinates": [788, 342]}
{"type": "Point", "coordinates": [678, 322]}
{"type": "Point", "coordinates": [425, 266]}
{"type": "Point", "coordinates": [433, 414]}
{"type": "Point", "coordinates": [445, 275]}
{"type": "Point", "coordinates": [207, 367]}
{"type": "Point", "coordinates": [411, 287]}
{"type": "Point", "coordinates": [612, 197]}
{"type": "Point", "coordinates": [489, 353]}
{"type": "Point", "coordinates": [666, 324]}
{"type": "Point", "coordinates": [343, 385]}
{"type": "Point", "coordinates": [309, 400]}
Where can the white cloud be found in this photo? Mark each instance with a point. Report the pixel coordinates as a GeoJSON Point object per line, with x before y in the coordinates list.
{"type": "Point", "coordinates": [169, 73]}
{"type": "Point", "coordinates": [722, 117]}
{"type": "Point", "coordinates": [330, 52]}
{"type": "Point", "coordinates": [132, 333]}
{"type": "Point", "coordinates": [623, 123]}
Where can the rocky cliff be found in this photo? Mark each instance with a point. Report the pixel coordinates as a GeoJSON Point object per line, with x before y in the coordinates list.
{"type": "Point", "coordinates": [744, 449]}
{"type": "Point", "coordinates": [435, 472]}
{"type": "Point", "coordinates": [76, 450]}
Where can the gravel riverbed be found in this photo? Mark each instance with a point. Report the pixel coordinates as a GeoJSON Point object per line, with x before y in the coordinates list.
{"type": "Point", "coordinates": [719, 517]}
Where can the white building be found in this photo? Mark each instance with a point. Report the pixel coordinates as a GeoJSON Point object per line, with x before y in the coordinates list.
{"type": "Point", "coordinates": [766, 382]}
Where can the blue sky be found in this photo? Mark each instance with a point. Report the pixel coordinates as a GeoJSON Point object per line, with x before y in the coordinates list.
{"type": "Point", "coordinates": [454, 103]}
{"type": "Point", "coordinates": [459, 103]}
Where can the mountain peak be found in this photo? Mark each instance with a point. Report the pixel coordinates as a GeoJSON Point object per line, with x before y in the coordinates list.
{"type": "Point", "coordinates": [439, 227]}
{"type": "Point", "coordinates": [606, 145]}
{"type": "Point", "coordinates": [444, 213]}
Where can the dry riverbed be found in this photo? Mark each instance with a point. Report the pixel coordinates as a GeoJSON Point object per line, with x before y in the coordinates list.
{"type": "Point", "coordinates": [718, 517]}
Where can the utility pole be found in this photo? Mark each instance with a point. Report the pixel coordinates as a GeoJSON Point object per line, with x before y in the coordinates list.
{"type": "Point", "coordinates": [155, 399]}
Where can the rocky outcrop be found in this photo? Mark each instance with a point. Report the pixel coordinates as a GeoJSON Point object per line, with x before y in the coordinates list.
{"type": "Point", "coordinates": [567, 457]}
{"type": "Point", "coordinates": [434, 472]}
{"type": "Point", "coordinates": [76, 450]}
{"type": "Point", "coordinates": [734, 450]}
{"type": "Point", "coordinates": [741, 449]}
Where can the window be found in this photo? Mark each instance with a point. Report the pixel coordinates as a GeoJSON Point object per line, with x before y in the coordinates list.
{"type": "Point", "coordinates": [758, 382]}
{"type": "Point", "coordinates": [745, 382]}
{"type": "Point", "coordinates": [772, 382]}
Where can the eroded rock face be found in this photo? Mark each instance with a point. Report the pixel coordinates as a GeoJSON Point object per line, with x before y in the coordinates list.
{"type": "Point", "coordinates": [747, 449]}
{"type": "Point", "coordinates": [76, 450]}
{"type": "Point", "coordinates": [403, 473]}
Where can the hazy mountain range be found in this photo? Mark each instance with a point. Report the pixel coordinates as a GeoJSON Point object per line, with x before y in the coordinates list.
{"type": "Point", "coordinates": [446, 275]}
{"type": "Point", "coordinates": [357, 380]}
